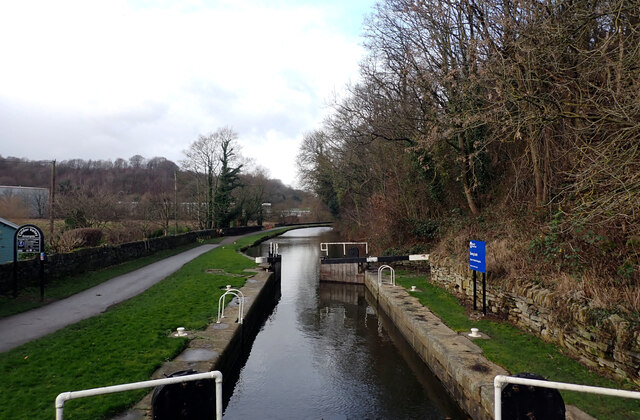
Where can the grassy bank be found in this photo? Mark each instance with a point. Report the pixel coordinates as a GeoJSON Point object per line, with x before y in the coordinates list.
{"type": "Point", "coordinates": [125, 344]}
{"type": "Point", "coordinates": [64, 287]}
{"type": "Point", "coordinates": [521, 352]}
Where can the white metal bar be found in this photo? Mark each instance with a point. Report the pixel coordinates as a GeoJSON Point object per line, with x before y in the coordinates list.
{"type": "Point", "coordinates": [419, 257]}
{"type": "Point", "coordinates": [221, 304]}
{"type": "Point", "coordinates": [497, 397]}
{"type": "Point", "coordinates": [221, 307]}
{"type": "Point", "coordinates": [71, 395]}
{"type": "Point", "coordinates": [324, 246]}
{"type": "Point", "coordinates": [340, 243]}
{"type": "Point", "coordinates": [392, 272]}
{"type": "Point", "coordinates": [501, 380]}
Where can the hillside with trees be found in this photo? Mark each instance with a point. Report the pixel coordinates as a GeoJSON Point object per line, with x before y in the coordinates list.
{"type": "Point", "coordinates": [515, 122]}
{"type": "Point", "coordinates": [125, 200]}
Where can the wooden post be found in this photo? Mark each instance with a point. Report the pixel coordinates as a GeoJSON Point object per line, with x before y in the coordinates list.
{"type": "Point", "coordinates": [175, 200]}
{"type": "Point", "coordinates": [52, 200]}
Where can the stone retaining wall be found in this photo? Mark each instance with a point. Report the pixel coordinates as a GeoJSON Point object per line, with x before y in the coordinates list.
{"type": "Point", "coordinates": [597, 339]}
{"type": "Point", "coordinates": [459, 364]}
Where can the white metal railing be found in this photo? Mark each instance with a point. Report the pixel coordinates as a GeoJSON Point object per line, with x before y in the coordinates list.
{"type": "Point", "coordinates": [501, 380]}
{"type": "Point", "coordinates": [273, 251]}
{"type": "Point", "coordinates": [391, 271]}
{"type": "Point", "coordinates": [324, 246]}
{"type": "Point", "coordinates": [221, 302]}
{"type": "Point", "coordinates": [413, 257]}
{"type": "Point", "coordinates": [71, 395]}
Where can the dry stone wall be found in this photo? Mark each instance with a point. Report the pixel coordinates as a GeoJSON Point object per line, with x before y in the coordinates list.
{"type": "Point", "coordinates": [88, 259]}
{"type": "Point", "coordinates": [599, 339]}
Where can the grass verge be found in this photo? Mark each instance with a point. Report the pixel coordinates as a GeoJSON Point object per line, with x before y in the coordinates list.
{"type": "Point", "coordinates": [64, 287]}
{"type": "Point", "coordinates": [125, 344]}
{"type": "Point", "coordinates": [58, 289]}
{"type": "Point", "coordinates": [518, 351]}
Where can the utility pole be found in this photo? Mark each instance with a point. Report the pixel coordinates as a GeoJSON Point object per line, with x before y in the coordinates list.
{"type": "Point", "coordinates": [175, 199]}
{"type": "Point", "coordinates": [52, 196]}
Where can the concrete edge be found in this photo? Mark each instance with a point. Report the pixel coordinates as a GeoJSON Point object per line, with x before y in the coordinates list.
{"type": "Point", "coordinates": [458, 362]}
{"type": "Point", "coordinates": [222, 345]}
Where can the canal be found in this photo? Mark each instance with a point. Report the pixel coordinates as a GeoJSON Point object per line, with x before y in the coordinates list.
{"type": "Point", "coordinates": [325, 352]}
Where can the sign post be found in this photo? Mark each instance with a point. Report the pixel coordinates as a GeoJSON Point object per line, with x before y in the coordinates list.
{"type": "Point", "coordinates": [28, 239]}
{"type": "Point", "coordinates": [477, 262]}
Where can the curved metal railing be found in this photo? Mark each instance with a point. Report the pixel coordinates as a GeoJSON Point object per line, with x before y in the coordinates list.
{"type": "Point", "coordinates": [391, 271]}
{"type": "Point", "coordinates": [221, 303]}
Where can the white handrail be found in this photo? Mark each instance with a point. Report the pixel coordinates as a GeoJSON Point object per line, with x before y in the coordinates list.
{"type": "Point", "coordinates": [71, 395]}
{"type": "Point", "coordinates": [501, 380]}
{"type": "Point", "coordinates": [324, 246]}
{"type": "Point", "coordinates": [221, 302]}
{"type": "Point", "coordinates": [391, 271]}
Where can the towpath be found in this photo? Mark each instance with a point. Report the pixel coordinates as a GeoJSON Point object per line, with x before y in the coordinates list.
{"type": "Point", "coordinates": [24, 327]}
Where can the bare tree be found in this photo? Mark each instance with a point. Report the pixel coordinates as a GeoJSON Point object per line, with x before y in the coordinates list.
{"type": "Point", "coordinates": [424, 60]}
{"type": "Point", "coordinates": [204, 156]}
{"type": "Point", "coordinates": [251, 195]}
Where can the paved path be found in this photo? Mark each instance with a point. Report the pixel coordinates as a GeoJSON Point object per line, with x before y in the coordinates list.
{"type": "Point", "coordinates": [24, 327]}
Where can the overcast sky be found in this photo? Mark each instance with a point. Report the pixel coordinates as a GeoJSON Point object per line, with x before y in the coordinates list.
{"type": "Point", "coordinates": [115, 78]}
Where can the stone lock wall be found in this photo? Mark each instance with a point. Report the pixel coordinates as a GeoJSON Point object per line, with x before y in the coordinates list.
{"type": "Point", "coordinates": [597, 339]}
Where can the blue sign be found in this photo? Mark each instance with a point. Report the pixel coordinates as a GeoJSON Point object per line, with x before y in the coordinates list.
{"type": "Point", "coordinates": [477, 259]}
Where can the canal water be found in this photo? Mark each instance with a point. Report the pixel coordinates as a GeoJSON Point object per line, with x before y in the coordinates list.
{"type": "Point", "coordinates": [325, 353]}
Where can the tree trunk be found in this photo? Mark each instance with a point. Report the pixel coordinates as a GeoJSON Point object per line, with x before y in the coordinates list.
{"type": "Point", "coordinates": [538, 174]}
{"type": "Point", "coordinates": [209, 220]}
{"type": "Point", "coordinates": [464, 169]}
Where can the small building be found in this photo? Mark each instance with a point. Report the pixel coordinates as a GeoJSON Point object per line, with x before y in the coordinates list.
{"type": "Point", "coordinates": [35, 199]}
{"type": "Point", "coordinates": [266, 209]}
{"type": "Point", "coordinates": [295, 212]}
{"type": "Point", "coordinates": [7, 233]}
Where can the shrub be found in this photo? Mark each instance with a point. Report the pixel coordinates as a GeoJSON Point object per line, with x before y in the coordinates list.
{"type": "Point", "coordinates": [123, 232]}
{"type": "Point", "coordinates": [76, 219]}
{"type": "Point", "coordinates": [90, 236]}
{"type": "Point", "coordinates": [77, 238]}
{"type": "Point", "coordinates": [156, 234]}
{"type": "Point", "coordinates": [68, 241]}
{"type": "Point", "coordinates": [425, 229]}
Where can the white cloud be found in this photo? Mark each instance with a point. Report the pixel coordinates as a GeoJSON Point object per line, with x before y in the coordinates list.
{"type": "Point", "coordinates": [108, 79]}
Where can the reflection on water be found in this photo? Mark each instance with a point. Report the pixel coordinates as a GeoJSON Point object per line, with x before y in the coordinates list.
{"type": "Point", "coordinates": [325, 353]}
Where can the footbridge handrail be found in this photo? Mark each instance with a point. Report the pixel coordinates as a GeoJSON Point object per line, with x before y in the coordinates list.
{"type": "Point", "coordinates": [324, 246]}
{"type": "Point", "coordinates": [71, 395]}
{"type": "Point", "coordinates": [501, 380]}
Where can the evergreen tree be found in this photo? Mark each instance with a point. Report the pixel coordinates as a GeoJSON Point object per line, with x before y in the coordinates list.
{"type": "Point", "coordinates": [228, 181]}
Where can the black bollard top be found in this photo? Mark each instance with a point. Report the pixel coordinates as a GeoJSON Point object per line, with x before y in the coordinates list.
{"type": "Point", "coordinates": [523, 402]}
